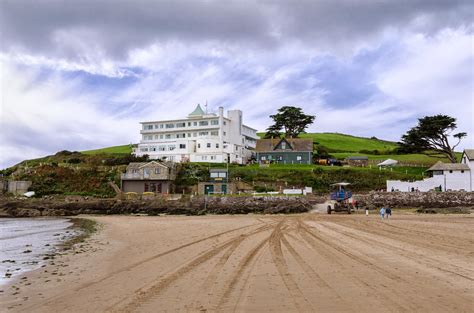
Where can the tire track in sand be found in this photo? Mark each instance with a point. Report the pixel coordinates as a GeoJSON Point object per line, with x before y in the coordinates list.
{"type": "Point", "coordinates": [214, 274]}
{"type": "Point", "coordinates": [301, 303]}
{"type": "Point", "coordinates": [145, 294]}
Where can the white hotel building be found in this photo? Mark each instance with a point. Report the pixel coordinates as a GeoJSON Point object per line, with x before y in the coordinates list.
{"type": "Point", "coordinates": [200, 137]}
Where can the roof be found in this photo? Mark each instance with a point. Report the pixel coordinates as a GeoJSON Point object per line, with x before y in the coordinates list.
{"type": "Point", "coordinates": [388, 162]}
{"type": "Point", "coordinates": [357, 158]}
{"type": "Point", "coordinates": [440, 166]}
{"type": "Point", "coordinates": [137, 165]}
{"type": "Point", "coordinates": [217, 170]}
{"type": "Point", "coordinates": [469, 153]}
{"type": "Point", "coordinates": [198, 111]}
{"type": "Point", "coordinates": [298, 144]}
{"type": "Point", "coordinates": [341, 184]}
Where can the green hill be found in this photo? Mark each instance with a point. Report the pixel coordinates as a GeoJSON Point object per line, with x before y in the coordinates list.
{"type": "Point", "coordinates": [347, 143]}
{"type": "Point", "coordinates": [111, 150]}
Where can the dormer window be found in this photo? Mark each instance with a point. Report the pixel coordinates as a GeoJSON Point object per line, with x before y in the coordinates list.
{"type": "Point", "coordinates": [283, 145]}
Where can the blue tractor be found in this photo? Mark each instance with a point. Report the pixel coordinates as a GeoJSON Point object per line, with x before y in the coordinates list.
{"type": "Point", "coordinates": [340, 199]}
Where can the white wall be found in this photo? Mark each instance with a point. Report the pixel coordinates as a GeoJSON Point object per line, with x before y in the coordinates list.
{"type": "Point", "coordinates": [448, 181]}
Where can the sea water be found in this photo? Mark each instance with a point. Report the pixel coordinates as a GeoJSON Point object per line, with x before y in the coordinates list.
{"type": "Point", "coordinates": [26, 242]}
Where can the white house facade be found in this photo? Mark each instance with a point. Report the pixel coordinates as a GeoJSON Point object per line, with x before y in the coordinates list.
{"type": "Point", "coordinates": [201, 137]}
{"type": "Point", "coordinates": [445, 177]}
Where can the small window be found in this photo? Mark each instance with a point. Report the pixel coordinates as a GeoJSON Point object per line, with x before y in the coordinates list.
{"type": "Point", "coordinates": [204, 157]}
{"type": "Point", "coordinates": [203, 123]}
{"type": "Point", "coordinates": [215, 122]}
{"type": "Point", "coordinates": [182, 146]}
{"type": "Point", "coordinates": [168, 136]}
{"type": "Point", "coordinates": [298, 158]}
{"type": "Point", "coordinates": [199, 145]}
{"type": "Point", "coordinates": [157, 170]}
{"type": "Point", "coordinates": [462, 171]}
{"type": "Point", "coordinates": [280, 158]}
{"type": "Point", "coordinates": [283, 145]}
{"type": "Point", "coordinates": [217, 146]}
{"type": "Point", "coordinates": [451, 171]}
{"type": "Point", "coordinates": [134, 171]}
{"type": "Point", "coordinates": [208, 145]}
{"type": "Point", "coordinates": [214, 175]}
{"type": "Point", "coordinates": [195, 123]}
{"type": "Point", "coordinates": [213, 157]}
{"type": "Point", "coordinates": [225, 134]}
{"type": "Point", "coordinates": [189, 123]}
{"type": "Point", "coordinates": [263, 158]}
{"type": "Point", "coordinates": [169, 125]}
{"type": "Point", "coordinates": [181, 124]}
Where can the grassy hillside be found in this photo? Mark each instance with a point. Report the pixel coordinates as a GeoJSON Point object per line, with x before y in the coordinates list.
{"type": "Point", "coordinates": [346, 143]}
{"type": "Point", "coordinates": [111, 150]}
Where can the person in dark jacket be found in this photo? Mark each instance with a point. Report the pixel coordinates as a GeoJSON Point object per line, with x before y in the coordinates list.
{"type": "Point", "coordinates": [388, 212]}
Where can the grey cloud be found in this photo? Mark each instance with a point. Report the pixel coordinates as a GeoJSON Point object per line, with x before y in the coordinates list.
{"type": "Point", "coordinates": [115, 27]}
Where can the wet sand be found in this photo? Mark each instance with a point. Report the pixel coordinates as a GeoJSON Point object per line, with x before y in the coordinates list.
{"type": "Point", "coordinates": [254, 263]}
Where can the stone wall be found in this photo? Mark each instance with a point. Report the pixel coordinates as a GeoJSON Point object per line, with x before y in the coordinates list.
{"type": "Point", "coordinates": [417, 199]}
{"type": "Point", "coordinates": [186, 206]}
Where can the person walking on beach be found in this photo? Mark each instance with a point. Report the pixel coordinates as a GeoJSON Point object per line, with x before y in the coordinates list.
{"type": "Point", "coordinates": [382, 212]}
{"type": "Point", "coordinates": [367, 211]}
{"type": "Point", "coordinates": [388, 211]}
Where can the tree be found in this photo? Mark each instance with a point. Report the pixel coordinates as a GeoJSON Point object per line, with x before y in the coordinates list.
{"type": "Point", "coordinates": [291, 119]}
{"type": "Point", "coordinates": [431, 137]}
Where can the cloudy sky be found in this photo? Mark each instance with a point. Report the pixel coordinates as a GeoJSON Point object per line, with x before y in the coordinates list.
{"type": "Point", "coordinates": [79, 75]}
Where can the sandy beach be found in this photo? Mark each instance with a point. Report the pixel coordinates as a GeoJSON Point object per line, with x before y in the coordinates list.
{"type": "Point", "coordinates": [258, 263]}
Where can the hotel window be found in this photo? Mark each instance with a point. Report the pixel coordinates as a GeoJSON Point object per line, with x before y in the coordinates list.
{"type": "Point", "coordinates": [225, 123]}
{"type": "Point", "coordinates": [203, 133]}
{"type": "Point", "coordinates": [161, 136]}
{"type": "Point", "coordinates": [194, 134]}
{"type": "Point", "coordinates": [189, 135]}
{"type": "Point", "coordinates": [208, 145]}
{"type": "Point", "coordinates": [182, 146]}
{"type": "Point", "coordinates": [217, 145]}
{"type": "Point", "coordinates": [195, 123]}
{"type": "Point", "coordinates": [181, 135]}
{"type": "Point", "coordinates": [168, 136]}
{"type": "Point", "coordinates": [161, 125]}
{"type": "Point", "coordinates": [213, 157]}
{"type": "Point", "coordinates": [215, 122]}
{"type": "Point", "coordinates": [148, 127]}
{"type": "Point", "coordinates": [298, 158]}
{"type": "Point", "coordinates": [204, 157]}
{"type": "Point", "coordinates": [157, 171]}
{"type": "Point", "coordinates": [170, 125]}
{"type": "Point", "coordinates": [225, 134]}
{"type": "Point", "coordinates": [199, 146]}
{"type": "Point", "coordinates": [171, 147]}
{"type": "Point", "coordinates": [181, 124]}
{"type": "Point", "coordinates": [152, 148]}
{"type": "Point", "coordinates": [143, 149]}
{"type": "Point", "coordinates": [203, 123]}
{"type": "Point", "coordinates": [156, 126]}
{"type": "Point", "coordinates": [214, 133]}
{"type": "Point", "coordinates": [161, 148]}
{"type": "Point", "coordinates": [189, 123]}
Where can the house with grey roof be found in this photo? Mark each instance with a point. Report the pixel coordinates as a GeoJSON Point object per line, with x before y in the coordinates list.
{"type": "Point", "coordinates": [284, 151]}
{"type": "Point", "coordinates": [444, 177]}
{"type": "Point", "coordinates": [150, 176]}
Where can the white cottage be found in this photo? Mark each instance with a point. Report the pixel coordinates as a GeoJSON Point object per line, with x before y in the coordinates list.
{"type": "Point", "coordinates": [445, 177]}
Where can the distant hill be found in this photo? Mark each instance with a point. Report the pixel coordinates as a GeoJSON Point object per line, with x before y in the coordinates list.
{"type": "Point", "coordinates": [339, 146]}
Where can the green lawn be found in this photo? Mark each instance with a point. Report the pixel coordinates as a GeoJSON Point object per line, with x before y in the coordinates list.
{"type": "Point", "coordinates": [349, 143]}
{"type": "Point", "coordinates": [125, 149]}
{"type": "Point", "coordinates": [412, 159]}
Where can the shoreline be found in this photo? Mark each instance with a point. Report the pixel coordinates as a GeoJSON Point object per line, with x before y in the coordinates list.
{"type": "Point", "coordinates": [73, 235]}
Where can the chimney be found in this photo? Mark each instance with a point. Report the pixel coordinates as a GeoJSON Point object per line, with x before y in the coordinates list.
{"type": "Point", "coordinates": [221, 111]}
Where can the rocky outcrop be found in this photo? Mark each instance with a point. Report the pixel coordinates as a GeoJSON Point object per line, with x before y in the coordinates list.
{"type": "Point", "coordinates": [190, 206]}
{"type": "Point", "coordinates": [417, 199]}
